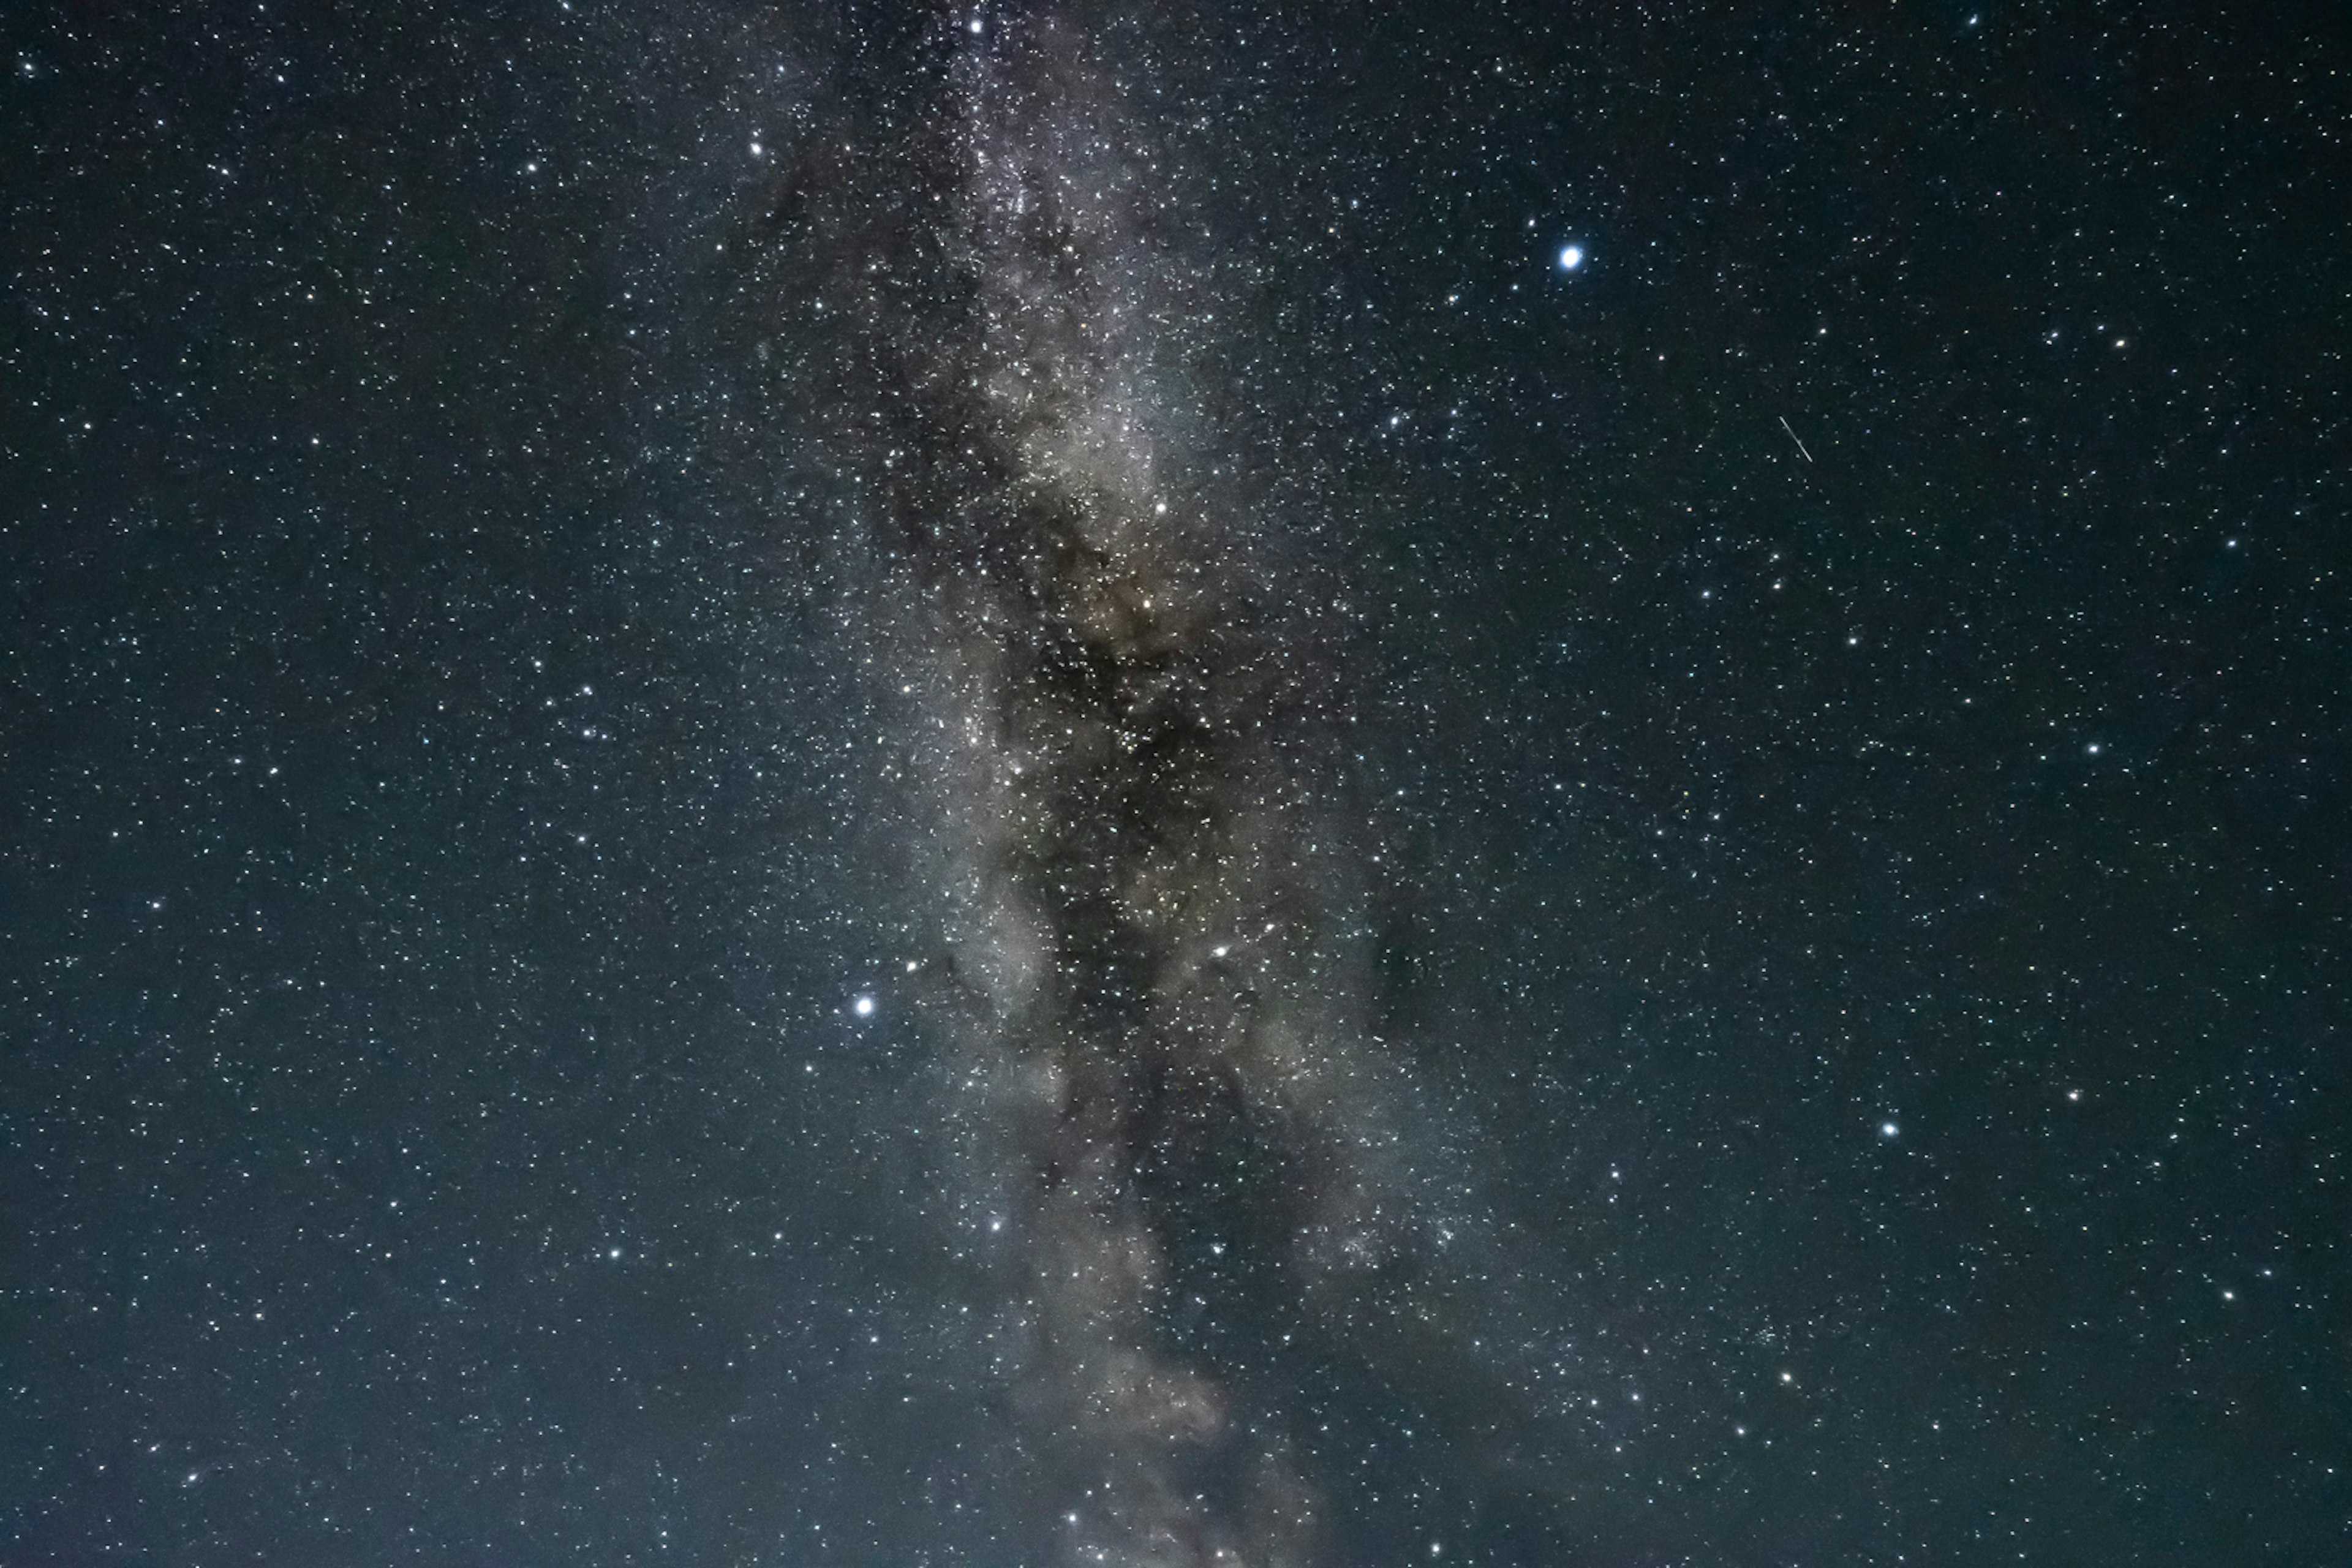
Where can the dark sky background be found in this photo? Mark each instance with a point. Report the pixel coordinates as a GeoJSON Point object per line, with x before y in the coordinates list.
{"type": "Point", "coordinates": [1851, 677]}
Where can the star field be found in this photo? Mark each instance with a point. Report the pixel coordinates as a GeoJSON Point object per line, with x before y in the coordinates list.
{"type": "Point", "coordinates": [1039, 784]}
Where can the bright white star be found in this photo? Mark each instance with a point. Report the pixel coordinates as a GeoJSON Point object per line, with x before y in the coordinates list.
{"type": "Point", "coordinates": [1571, 257]}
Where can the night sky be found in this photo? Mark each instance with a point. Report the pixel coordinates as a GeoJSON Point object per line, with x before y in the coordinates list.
{"type": "Point", "coordinates": [1306, 786]}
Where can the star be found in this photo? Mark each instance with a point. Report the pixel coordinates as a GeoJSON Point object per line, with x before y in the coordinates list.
{"type": "Point", "coordinates": [1571, 257]}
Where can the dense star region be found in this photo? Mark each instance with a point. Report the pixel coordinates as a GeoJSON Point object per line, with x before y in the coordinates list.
{"type": "Point", "coordinates": [1046, 784]}
{"type": "Point", "coordinates": [1124, 795]}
